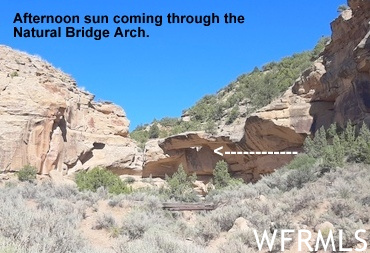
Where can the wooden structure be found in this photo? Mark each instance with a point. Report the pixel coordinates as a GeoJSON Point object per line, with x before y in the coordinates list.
{"type": "Point", "coordinates": [188, 206]}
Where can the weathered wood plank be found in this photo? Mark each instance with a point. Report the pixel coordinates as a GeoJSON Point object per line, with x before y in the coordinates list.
{"type": "Point", "coordinates": [188, 206]}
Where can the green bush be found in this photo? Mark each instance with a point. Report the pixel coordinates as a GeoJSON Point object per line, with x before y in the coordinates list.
{"type": "Point", "coordinates": [141, 136]}
{"type": "Point", "coordinates": [130, 180]}
{"type": "Point", "coordinates": [319, 48]}
{"type": "Point", "coordinates": [27, 173]}
{"type": "Point", "coordinates": [302, 161]}
{"type": "Point", "coordinates": [154, 131]}
{"type": "Point", "coordinates": [314, 147]}
{"type": "Point", "coordinates": [180, 186]}
{"type": "Point", "coordinates": [302, 170]}
{"type": "Point", "coordinates": [211, 127]}
{"type": "Point", "coordinates": [221, 176]}
{"type": "Point", "coordinates": [333, 155]}
{"type": "Point", "coordinates": [233, 115]}
{"type": "Point", "coordinates": [299, 177]}
{"type": "Point", "coordinates": [169, 122]}
{"type": "Point", "coordinates": [98, 177]}
{"type": "Point", "coordinates": [336, 146]}
{"type": "Point", "coordinates": [362, 144]}
{"type": "Point", "coordinates": [14, 74]}
{"type": "Point", "coordinates": [342, 8]}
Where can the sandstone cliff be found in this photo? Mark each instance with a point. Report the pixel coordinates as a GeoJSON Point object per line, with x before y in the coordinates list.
{"type": "Point", "coordinates": [335, 89]}
{"type": "Point", "coordinates": [48, 122]}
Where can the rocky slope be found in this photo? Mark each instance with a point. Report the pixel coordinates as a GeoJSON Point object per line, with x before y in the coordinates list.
{"type": "Point", "coordinates": [335, 89]}
{"type": "Point", "coordinates": [48, 122]}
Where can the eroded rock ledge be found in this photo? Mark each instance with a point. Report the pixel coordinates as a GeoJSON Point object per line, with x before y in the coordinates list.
{"type": "Point", "coordinates": [335, 89]}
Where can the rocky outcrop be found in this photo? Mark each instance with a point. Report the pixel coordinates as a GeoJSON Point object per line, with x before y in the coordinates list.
{"type": "Point", "coordinates": [340, 90]}
{"type": "Point", "coordinates": [335, 89]}
{"type": "Point", "coordinates": [48, 122]}
{"type": "Point", "coordinates": [193, 150]}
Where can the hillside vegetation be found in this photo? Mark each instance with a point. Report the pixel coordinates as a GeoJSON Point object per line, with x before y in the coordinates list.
{"type": "Point", "coordinates": [239, 99]}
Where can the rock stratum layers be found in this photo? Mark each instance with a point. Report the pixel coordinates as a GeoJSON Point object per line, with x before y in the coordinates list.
{"type": "Point", "coordinates": [335, 89]}
{"type": "Point", "coordinates": [48, 122]}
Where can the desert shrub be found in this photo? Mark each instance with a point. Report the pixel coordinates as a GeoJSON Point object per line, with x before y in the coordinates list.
{"type": "Point", "coordinates": [180, 186]}
{"type": "Point", "coordinates": [48, 189]}
{"type": "Point", "coordinates": [27, 190]}
{"type": "Point", "coordinates": [27, 173]}
{"type": "Point", "coordinates": [303, 169]}
{"type": "Point", "coordinates": [221, 176]}
{"type": "Point", "coordinates": [320, 46]}
{"type": "Point", "coordinates": [206, 230]}
{"type": "Point", "coordinates": [157, 241]}
{"type": "Point", "coordinates": [115, 201]}
{"type": "Point", "coordinates": [105, 221]}
{"type": "Point", "coordinates": [281, 217]}
{"type": "Point", "coordinates": [130, 180]}
{"type": "Point", "coordinates": [277, 180]}
{"type": "Point", "coordinates": [210, 127]}
{"type": "Point", "coordinates": [299, 177]}
{"type": "Point", "coordinates": [302, 161]}
{"type": "Point", "coordinates": [51, 229]}
{"type": "Point", "coordinates": [140, 135]}
{"type": "Point", "coordinates": [235, 245]}
{"type": "Point", "coordinates": [342, 8]}
{"type": "Point", "coordinates": [309, 218]}
{"type": "Point", "coordinates": [240, 241]}
{"type": "Point", "coordinates": [98, 177]}
{"type": "Point", "coordinates": [344, 208]}
{"type": "Point", "coordinates": [305, 198]}
{"type": "Point", "coordinates": [225, 216]}
{"type": "Point", "coordinates": [64, 191]}
{"type": "Point", "coordinates": [168, 122]}
{"type": "Point", "coordinates": [137, 223]}
{"type": "Point", "coordinates": [152, 203]}
{"type": "Point", "coordinates": [234, 113]}
{"type": "Point", "coordinates": [14, 74]}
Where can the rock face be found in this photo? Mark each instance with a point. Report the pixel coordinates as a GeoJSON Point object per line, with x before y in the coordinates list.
{"type": "Point", "coordinates": [193, 150]}
{"type": "Point", "coordinates": [48, 122]}
{"type": "Point", "coordinates": [339, 85]}
{"type": "Point", "coordinates": [335, 89]}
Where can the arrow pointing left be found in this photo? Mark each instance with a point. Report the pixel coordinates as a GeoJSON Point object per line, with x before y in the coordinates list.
{"type": "Point", "coordinates": [217, 151]}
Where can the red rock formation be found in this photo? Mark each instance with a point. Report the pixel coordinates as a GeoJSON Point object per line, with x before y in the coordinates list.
{"type": "Point", "coordinates": [48, 122]}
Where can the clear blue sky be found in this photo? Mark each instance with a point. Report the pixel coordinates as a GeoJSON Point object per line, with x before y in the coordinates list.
{"type": "Point", "coordinates": [178, 64]}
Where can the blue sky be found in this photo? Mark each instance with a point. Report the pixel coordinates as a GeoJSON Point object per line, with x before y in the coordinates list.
{"type": "Point", "coordinates": [178, 64]}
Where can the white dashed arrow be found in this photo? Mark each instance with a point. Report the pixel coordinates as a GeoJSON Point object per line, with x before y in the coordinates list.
{"type": "Point", "coordinates": [254, 152]}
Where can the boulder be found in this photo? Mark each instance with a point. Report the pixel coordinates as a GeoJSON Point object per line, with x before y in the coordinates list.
{"type": "Point", "coordinates": [240, 224]}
